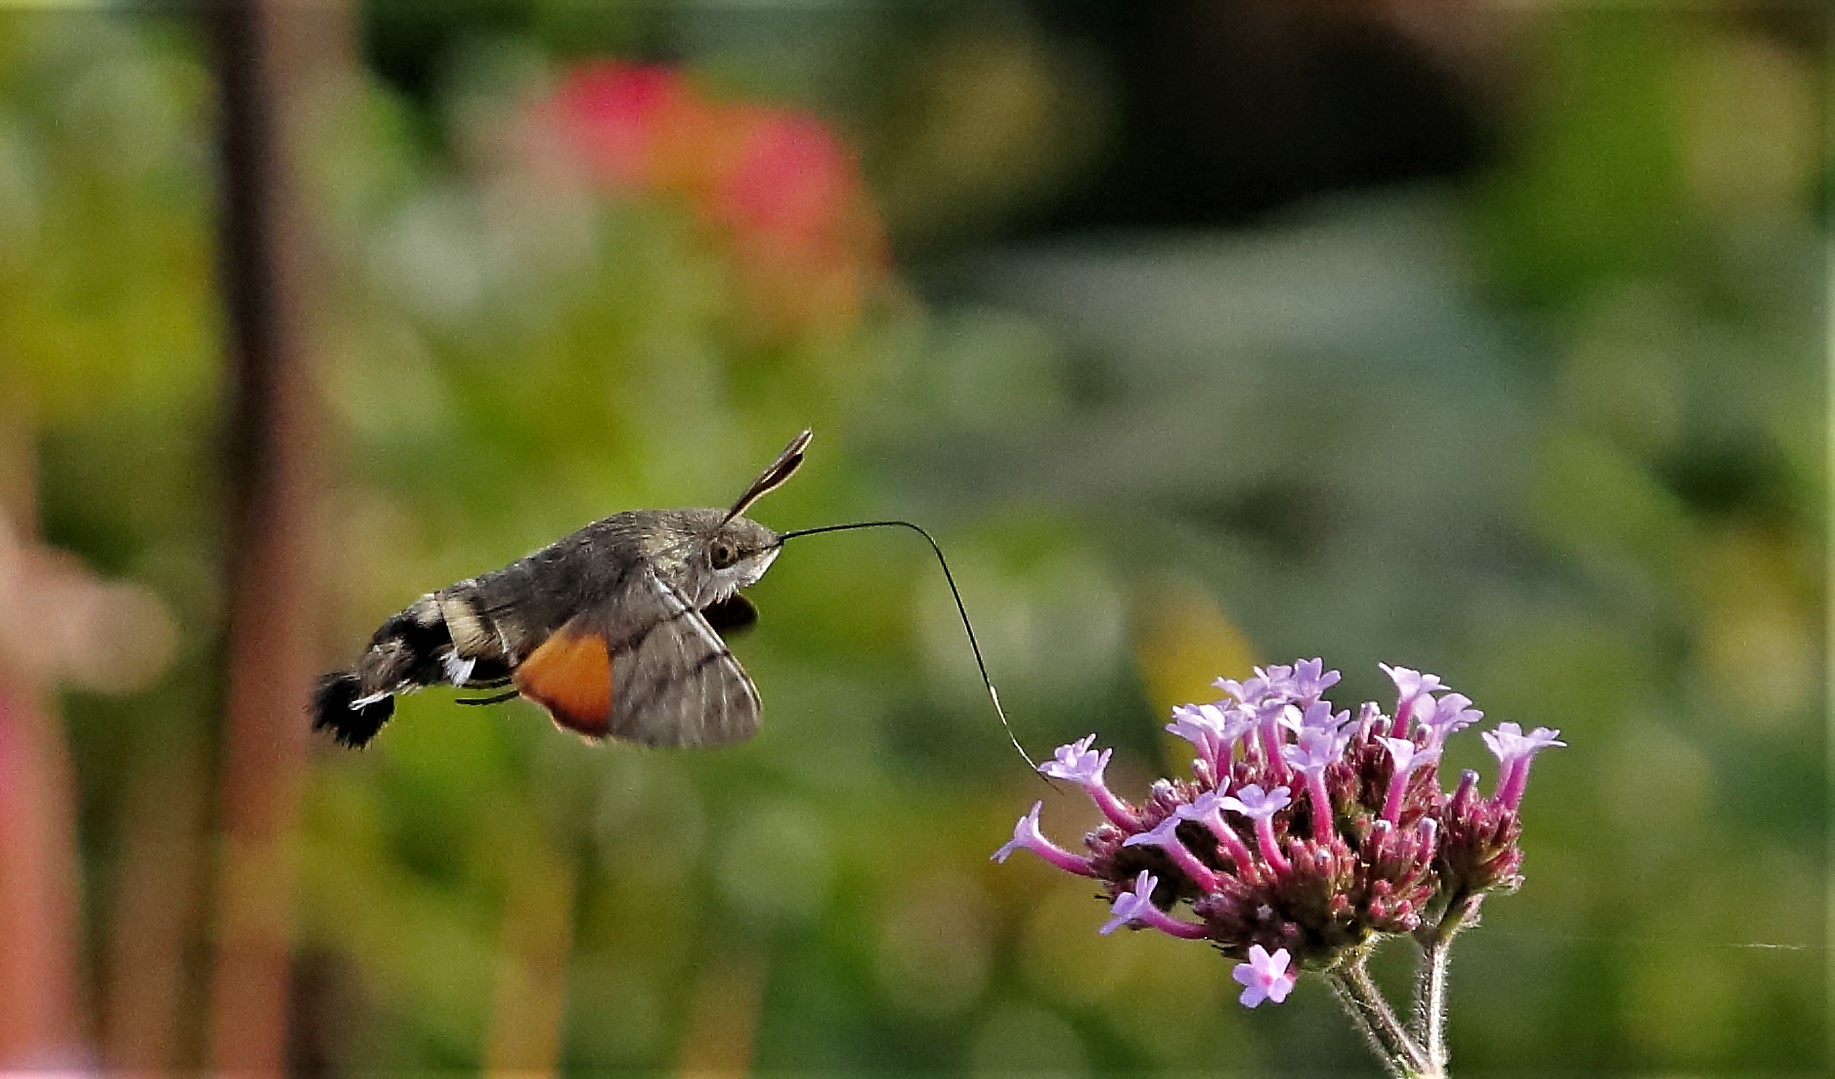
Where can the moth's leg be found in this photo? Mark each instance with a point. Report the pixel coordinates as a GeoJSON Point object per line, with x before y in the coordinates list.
{"type": "Point", "coordinates": [488, 674]}
{"type": "Point", "coordinates": [498, 699]}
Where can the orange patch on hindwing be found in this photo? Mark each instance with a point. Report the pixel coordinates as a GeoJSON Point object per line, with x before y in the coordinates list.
{"type": "Point", "coordinates": [571, 676]}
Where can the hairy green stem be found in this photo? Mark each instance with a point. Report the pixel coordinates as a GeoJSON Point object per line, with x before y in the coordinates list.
{"type": "Point", "coordinates": [1430, 979]}
{"type": "Point", "coordinates": [1364, 1002]}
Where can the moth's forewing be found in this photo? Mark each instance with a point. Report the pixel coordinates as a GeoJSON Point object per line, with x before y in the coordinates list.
{"type": "Point", "coordinates": [643, 667]}
{"type": "Point", "coordinates": [678, 684]}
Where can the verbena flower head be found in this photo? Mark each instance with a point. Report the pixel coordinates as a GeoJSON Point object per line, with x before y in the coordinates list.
{"type": "Point", "coordinates": [1303, 835]}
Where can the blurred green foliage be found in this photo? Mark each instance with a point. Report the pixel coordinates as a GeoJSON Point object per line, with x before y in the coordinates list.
{"type": "Point", "coordinates": [1557, 433]}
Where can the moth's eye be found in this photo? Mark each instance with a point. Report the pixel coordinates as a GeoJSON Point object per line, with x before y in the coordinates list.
{"type": "Point", "coordinates": [723, 554]}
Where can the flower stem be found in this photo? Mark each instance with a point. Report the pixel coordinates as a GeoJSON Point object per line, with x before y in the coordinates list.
{"type": "Point", "coordinates": [1400, 1052]}
{"type": "Point", "coordinates": [1430, 979]}
{"type": "Point", "coordinates": [1430, 1009]}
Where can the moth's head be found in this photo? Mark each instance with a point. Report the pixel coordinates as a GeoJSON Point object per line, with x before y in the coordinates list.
{"type": "Point", "coordinates": [722, 551]}
{"type": "Point", "coordinates": [720, 555]}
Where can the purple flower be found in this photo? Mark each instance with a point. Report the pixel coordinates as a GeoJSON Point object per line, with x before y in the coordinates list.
{"type": "Point", "coordinates": [1264, 976]}
{"type": "Point", "coordinates": [1452, 712]}
{"type": "Point", "coordinates": [1165, 836]}
{"type": "Point", "coordinates": [1311, 679]}
{"type": "Point", "coordinates": [1248, 693]}
{"type": "Point", "coordinates": [1405, 757]}
{"type": "Point", "coordinates": [1078, 763]}
{"type": "Point", "coordinates": [1270, 717]}
{"type": "Point", "coordinates": [1261, 807]}
{"type": "Point", "coordinates": [1137, 906]}
{"type": "Point", "coordinates": [1199, 724]}
{"type": "Point", "coordinates": [1317, 750]}
{"type": "Point", "coordinates": [1317, 716]}
{"type": "Point", "coordinates": [1410, 687]}
{"type": "Point", "coordinates": [1256, 804]}
{"type": "Point", "coordinates": [1026, 836]}
{"type": "Point", "coordinates": [1514, 751]}
{"type": "Point", "coordinates": [1207, 809]}
{"type": "Point", "coordinates": [1211, 728]}
{"type": "Point", "coordinates": [1238, 722]}
{"type": "Point", "coordinates": [1128, 904]}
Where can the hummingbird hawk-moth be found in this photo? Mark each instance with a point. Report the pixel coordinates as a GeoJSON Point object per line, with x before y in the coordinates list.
{"type": "Point", "coordinates": [614, 630]}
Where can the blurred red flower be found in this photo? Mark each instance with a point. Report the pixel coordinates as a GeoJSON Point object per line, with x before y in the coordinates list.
{"type": "Point", "coordinates": [609, 114]}
{"type": "Point", "coordinates": [774, 185]}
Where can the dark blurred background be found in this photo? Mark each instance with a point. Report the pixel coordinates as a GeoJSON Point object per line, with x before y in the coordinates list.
{"type": "Point", "coordinates": [1490, 342]}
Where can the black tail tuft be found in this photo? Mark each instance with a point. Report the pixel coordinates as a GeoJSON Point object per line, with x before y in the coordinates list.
{"type": "Point", "coordinates": [332, 710]}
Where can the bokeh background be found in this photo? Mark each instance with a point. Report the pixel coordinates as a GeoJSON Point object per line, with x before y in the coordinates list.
{"type": "Point", "coordinates": [1487, 341]}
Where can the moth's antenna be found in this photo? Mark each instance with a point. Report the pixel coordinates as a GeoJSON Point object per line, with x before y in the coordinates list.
{"type": "Point", "coordinates": [993, 694]}
{"type": "Point", "coordinates": [774, 474]}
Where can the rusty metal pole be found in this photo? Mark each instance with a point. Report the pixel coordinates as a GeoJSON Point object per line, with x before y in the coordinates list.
{"type": "Point", "coordinates": [267, 289]}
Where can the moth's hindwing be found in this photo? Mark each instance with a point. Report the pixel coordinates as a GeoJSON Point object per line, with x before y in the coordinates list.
{"type": "Point", "coordinates": [645, 667]}
{"type": "Point", "coordinates": [571, 676]}
{"type": "Point", "coordinates": [734, 614]}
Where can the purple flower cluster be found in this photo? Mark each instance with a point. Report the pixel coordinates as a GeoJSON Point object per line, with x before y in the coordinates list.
{"type": "Point", "coordinates": [1304, 833]}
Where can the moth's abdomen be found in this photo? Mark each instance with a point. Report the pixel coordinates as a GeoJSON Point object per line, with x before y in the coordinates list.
{"type": "Point", "coordinates": [413, 648]}
{"type": "Point", "coordinates": [502, 616]}
{"type": "Point", "coordinates": [338, 706]}
{"type": "Point", "coordinates": [407, 651]}
{"type": "Point", "coordinates": [470, 633]}
{"type": "Point", "coordinates": [473, 629]}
